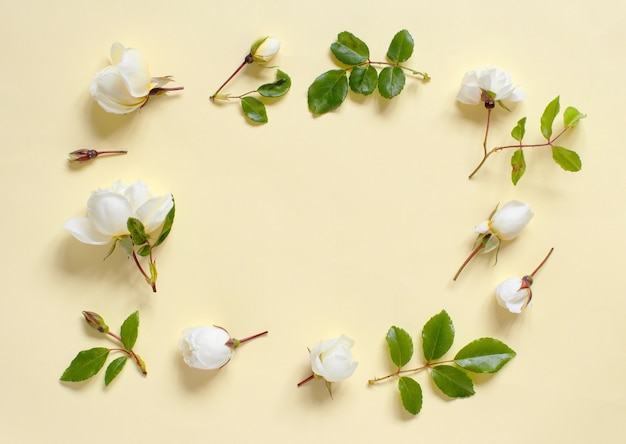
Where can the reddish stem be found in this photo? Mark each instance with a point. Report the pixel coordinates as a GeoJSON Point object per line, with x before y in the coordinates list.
{"type": "Point", "coordinates": [542, 262]}
{"type": "Point", "coordinates": [241, 341]}
{"type": "Point", "coordinates": [469, 258]}
{"type": "Point", "coordinates": [148, 279]}
{"type": "Point", "coordinates": [304, 381]}
{"type": "Point", "coordinates": [245, 62]}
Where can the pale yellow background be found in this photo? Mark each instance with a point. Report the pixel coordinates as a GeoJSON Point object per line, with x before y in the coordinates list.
{"type": "Point", "coordinates": [312, 227]}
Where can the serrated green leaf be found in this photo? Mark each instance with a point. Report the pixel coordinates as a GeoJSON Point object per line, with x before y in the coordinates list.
{"type": "Point", "coordinates": [452, 381]}
{"type": "Point", "coordinates": [278, 88]}
{"type": "Point", "coordinates": [391, 81]}
{"type": "Point", "coordinates": [567, 159]}
{"type": "Point", "coordinates": [254, 109]}
{"type": "Point", "coordinates": [167, 224]}
{"type": "Point", "coordinates": [114, 368]}
{"type": "Point", "coordinates": [548, 116]}
{"type": "Point", "coordinates": [484, 355]}
{"type": "Point", "coordinates": [86, 364]}
{"type": "Point", "coordinates": [400, 346]}
{"type": "Point", "coordinates": [411, 394]}
{"type": "Point", "coordinates": [137, 231]}
{"type": "Point", "coordinates": [363, 80]}
{"type": "Point", "coordinates": [349, 49]}
{"type": "Point", "coordinates": [518, 165]}
{"type": "Point", "coordinates": [572, 116]}
{"type": "Point", "coordinates": [437, 336]}
{"type": "Point", "coordinates": [520, 129]}
{"type": "Point", "coordinates": [130, 330]}
{"type": "Point", "coordinates": [401, 47]}
{"type": "Point", "coordinates": [328, 91]}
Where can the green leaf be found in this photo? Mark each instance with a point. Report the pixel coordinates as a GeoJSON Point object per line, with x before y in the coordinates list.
{"type": "Point", "coordinates": [328, 91]}
{"type": "Point", "coordinates": [391, 81]}
{"type": "Point", "coordinates": [130, 330]}
{"type": "Point", "coordinates": [145, 250]}
{"type": "Point", "coordinates": [518, 166]}
{"type": "Point", "coordinates": [567, 159]}
{"type": "Point", "coordinates": [254, 109]}
{"type": "Point", "coordinates": [349, 49]}
{"type": "Point", "coordinates": [137, 231]}
{"type": "Point", "coordinates": [411, 394]}
{"type": "Point", "coordinates": [452, 381]}
{"type": "Point", "coordinates": [127, 245]}
{"type": "Point", "coordinates": [114, 368]}
{"type": "Point", "coordinates": [167, 224]}
{"type": "Point", "coordinates": [572, 116]}
{"type": "Point", "coordinates": [86, 364]}
{"type": "Point", "coordinates": [278, 88]}
{"type": "Point", "coordinates": [363, 80]}
{"type": "Point", "coordinates": [548, 116]}
{"type": "Point", "coordinates": [520, 129]}
{"type": "Point", "coordinates": [484, 355]}
{"type": "Point", "coordinates": [437, 336]}
{"type": "Point", "coordinates": [400, 346]}
{"type": "Point", "coordinates": [401, 47]}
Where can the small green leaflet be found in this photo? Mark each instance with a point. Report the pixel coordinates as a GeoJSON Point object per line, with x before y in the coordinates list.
{"type": "Point", "coordinates": [349, 49]}
{"type": "Point", "coordinates": [484, 355]}
{"type": "Point", "coordinates": [437, 336]}
{"type": "Point", "coordinates": [391, 81]}
{"type": "Point", "coordinates": [520, 129]}
{"type": "Point", "coordinates": [567, 159]}
{"type": "Point", "coordinates": [411, 394]}
{"type": "Point", "coordinates": [401, 47]}
{"type": "Point", "coordinates": [548, 116]}
{"type": "Point", "coordinates": [452, 381]}
{"type": "Point", "coordinates": [167, 225]}
{"type": "Point", "coordinates": [363, 80]}
{"type": "Point", "coordinates": [400, 346]}
{"type": "Point", "coordinates": [137, 231]}
{"type": "Point", "coordinates": [86, 364]}
{"type": "Point", "coordinates": [518, 166]}
{"type": "Point", "coordinates": [130, 330]}
{"type": "Point", "coordinates": [278, 88]}
{"type": "Point", "coordinates": [254, 109]}
{"type": "Point", "coordinates": [328, 91]}
{"type": "Point", "coordinates": [114, 369]}
{"type": "Point", "coordinates": [572, 116]}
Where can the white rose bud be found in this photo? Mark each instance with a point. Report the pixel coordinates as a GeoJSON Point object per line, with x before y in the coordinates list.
{"type": "Point", "coordinates": [515, 294]}
{"type": "Point", "coordinates": [332, 359]}
{"type": "Point", "coordinates": [506, 223]}
{"type": "Point", "coordinates": [264, 49]}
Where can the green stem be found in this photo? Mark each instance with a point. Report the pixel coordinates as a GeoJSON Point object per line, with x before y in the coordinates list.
{"type": "Point", "coordinates": [424, 76]}
{"type": "Point", "coordinates": [410, 370]}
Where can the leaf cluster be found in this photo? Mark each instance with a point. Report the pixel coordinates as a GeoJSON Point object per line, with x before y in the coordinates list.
{"type": "Point", "coordinates": [255, 110]}
{"type": "Point", "coordinates": [484, 355]}
{"type": "Point", "coordinates": [88, 363]}
{"type": "Point", "coordinates": [567, 159]}
{"type": "Point", "coordinates": [329, 90]}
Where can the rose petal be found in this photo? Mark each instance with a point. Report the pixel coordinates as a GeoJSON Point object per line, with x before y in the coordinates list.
{"type": "Point", "coordinates": [109, 90]}
{"type": "Point", "coordinates": [137, 194]}
{"type": "Point", "coordinates": [117, 49]}
{"type": "Point", "coordinates": [109, 212]}
{"type": "Point", "coordinates": [83, 230]}
{"type": "Point", "coordinates": [153, 212]}
{"type": "Point", "coordinates": [135, 73]}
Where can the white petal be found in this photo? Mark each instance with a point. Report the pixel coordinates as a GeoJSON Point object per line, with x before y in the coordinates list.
{"type": "Point", "coordinates": [153, 212]}
{"type": "Point", "coordinates": [109, 212]}
{"type": "Point", "coordinates": [83, 230]}
{"type": "Point", "coordinates": [482, 227]}
{"type": "Point", "coordinates": [135, 73]}
{"type": "Point", "coordinates": [511, 296]}
{"type": "Point", "coordinates": [205, 347]}
{"type": "Point", "coordinates": [117, 49]}
{"type": "Point", "coordinates": [109, 90]}
{"type": "Point", "coordinates": [510, 220]}
{"type": "Point", "coordinates": [137, 194]}
{"type": "Point", "coordinates": [469, 94]}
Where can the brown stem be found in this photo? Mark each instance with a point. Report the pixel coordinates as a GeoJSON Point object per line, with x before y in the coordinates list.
{"type": "Point", "coordinates": [469, 258]}
{"type": "Point", "coordinates": [304, 381]}
{"type": "Point", "coordinates": [248, 59]}
{"type": "Point", "coordinates": [542, 262]}
{"type": "Point", "coordinates": [241, 341]}
{"type": "Point", "coordinates": [486, 132]}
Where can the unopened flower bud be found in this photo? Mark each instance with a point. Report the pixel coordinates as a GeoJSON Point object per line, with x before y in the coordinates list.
{"type": "Point", "coordinates": [264, 49]}
{"type": "Point", "coordinates": [96, 321]}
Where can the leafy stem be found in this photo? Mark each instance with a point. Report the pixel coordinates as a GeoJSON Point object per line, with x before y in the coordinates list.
{"type": "Point", "coordinates": [400, 371]}
{"type": "Point", "coordinates": [149, 279]}
{"type": "Point", "coordinates": [423, 75]}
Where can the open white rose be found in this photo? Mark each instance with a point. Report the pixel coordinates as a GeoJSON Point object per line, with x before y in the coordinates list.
{"type": "Point", "coordinates": [332, 359]}
{"type": "Point", "coordinates": [514, 294]}
{"type": "Point", "coordinates": [108, 211]}
{"type": "Point", "coordinates": [126, 84]}
{"type": "Point", "coordinates": [206, 348]}
{"type": "Point", "coordinates": [497, 84]}
{"type": "Point", "coordinates": [264, 49]}
{"type": "Point", "coordinates": [506, 223]}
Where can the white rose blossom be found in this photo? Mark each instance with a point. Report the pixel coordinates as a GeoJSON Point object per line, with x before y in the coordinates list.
{"type": "Point", "coordinates": [332, 361]}
{"type": "Point", "coordinates": [515, 293]}
{"type": "Point", "coordinates": [126, 84]}
{"type": "Point", "coordinates": [209, 348]}
{"type": "Point", "coordinates": [488, 85]}
{"type": "Point", "coordinates": [111, 212]}
{"type": "Point", "coordinates": [505, 223]}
